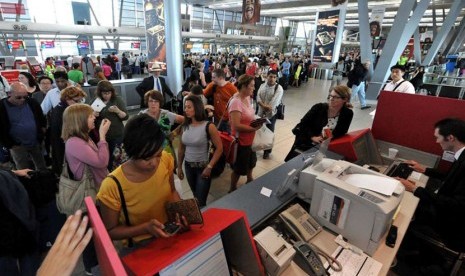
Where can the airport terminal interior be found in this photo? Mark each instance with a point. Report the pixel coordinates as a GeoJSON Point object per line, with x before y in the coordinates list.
{"type": "Point", "coordinates": [341, 127]}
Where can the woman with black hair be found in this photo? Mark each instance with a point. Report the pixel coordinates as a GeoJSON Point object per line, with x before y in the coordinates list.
{"type": "Point", "coordinates": [194, 149]}
{"type": "Point", "coordinates": [27, 79]}
{"type": "Point", "coordinates": [147, 183]}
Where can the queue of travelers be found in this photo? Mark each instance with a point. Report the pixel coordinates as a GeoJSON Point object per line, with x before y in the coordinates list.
{"type": "Point", "coordinates": [46, 124]}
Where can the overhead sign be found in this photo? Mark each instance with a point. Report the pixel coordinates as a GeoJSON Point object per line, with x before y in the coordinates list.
{"type": "Point", "coordinates": [15, 44]}
{"type": "Point", "coordinates": [135, 45]}
{"type": "Point", "coordinates": [83, 44]}
{"type": "Point", "coordinates": [12, 8]}
{"type": "Point", "coordinates": [47, 44]}
{"type": "Point", "coordinates": [108, 51]}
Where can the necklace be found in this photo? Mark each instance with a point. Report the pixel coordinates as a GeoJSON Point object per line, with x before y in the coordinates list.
{"type": "Point", "coordinates": [333, 114]}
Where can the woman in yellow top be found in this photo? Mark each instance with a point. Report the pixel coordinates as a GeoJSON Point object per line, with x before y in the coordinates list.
{"type": "Point", "coordinates": [147, 183]}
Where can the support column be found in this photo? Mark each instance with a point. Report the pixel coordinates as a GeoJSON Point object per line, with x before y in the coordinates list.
{"type": "Point", "coordinates": [456, 37]}
{"type": "Point", "coordinates": [364, 32]}
{"type": "Point", "coordinates": [340, 30]}
{"type": "Point", "coordinates": [398, 37]}
{"type": "Point", "coordinates": [417, 47]}
{"type": "Point", "coordinates": [454, 12]}
{"type": "Point", "coordinates": [173, 44]}
{"type": "Point", "coordinates": [459, 42]}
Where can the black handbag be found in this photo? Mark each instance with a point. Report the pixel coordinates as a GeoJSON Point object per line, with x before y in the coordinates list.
{"type": "Point", "coordinates": [280, 111]}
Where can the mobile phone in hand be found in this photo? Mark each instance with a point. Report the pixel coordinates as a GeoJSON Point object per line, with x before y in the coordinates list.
{"type": "Point", "coordinates": [171, 228]}
{"type": "Point", "coordinates": [259, 121]}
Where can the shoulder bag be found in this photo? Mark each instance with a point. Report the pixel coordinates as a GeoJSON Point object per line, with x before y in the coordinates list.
{"type": "Point", "coordinates": [71, 193]}
{"type": "Point", "coordinates": [280, 108]}
{"type": "Point", "coordinates": [218, 168]}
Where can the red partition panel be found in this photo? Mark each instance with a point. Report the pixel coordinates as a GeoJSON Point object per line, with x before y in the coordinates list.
{"type": "Point", "coordinates": [408, 119]}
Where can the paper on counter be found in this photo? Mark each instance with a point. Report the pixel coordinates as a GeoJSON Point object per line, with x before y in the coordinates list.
{"type": "Point", "coordinates": [354, 264]}
{"type": "Point", "coordinates": [415, 175]}
{"type": "Point", "coordinates": [379, 184]}
{"type": "Point", "coordinates": [266, 192]}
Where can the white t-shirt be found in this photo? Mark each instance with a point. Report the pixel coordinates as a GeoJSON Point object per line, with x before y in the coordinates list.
{"type": "Point", "coordinates": [405, 87]}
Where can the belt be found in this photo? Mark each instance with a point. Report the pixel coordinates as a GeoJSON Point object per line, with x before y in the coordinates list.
{"type": "Point", "coordinates": [199, 165]}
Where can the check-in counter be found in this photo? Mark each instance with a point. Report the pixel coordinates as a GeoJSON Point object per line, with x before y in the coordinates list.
{"type": "Point", "coordinates": [126, 89]}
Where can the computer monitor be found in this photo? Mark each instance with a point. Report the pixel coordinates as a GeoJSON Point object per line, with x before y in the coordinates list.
{"type": "Point", "coordinates": [358, 147]}
{"type": "Point", "coordinates": [207, 258]}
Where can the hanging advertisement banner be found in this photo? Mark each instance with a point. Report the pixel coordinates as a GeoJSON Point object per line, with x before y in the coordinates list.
{"type": "Point", "coordinates": [15, 44]}
{"type": "Point", "coordinates": [251, 11]}
{"type": "Point", "coordinates": [325, 37]}
{"type": "Point", "coordinates": [338, 3]}
{"type": "Point", "coordinates": [135, 45]}
{"type": "Point", "coordinates": [83, 44]}
{"type": "Point", "coordinates": [47, 44]}
{"type": "Point", "coordinates": [155, 31]}
{"type": "Point", "coordinates": [376, 20]}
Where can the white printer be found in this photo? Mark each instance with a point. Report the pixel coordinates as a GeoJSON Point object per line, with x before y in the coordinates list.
{"type": "Point", "coordinates": [274, 251]}
{"type": "Point", "coordinates": [343, 200]}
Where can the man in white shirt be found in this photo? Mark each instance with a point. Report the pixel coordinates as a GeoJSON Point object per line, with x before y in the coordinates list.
{"type": "Point", "coordinates": [69, 60]}
{"type": "Point", "coordinates": [52, 98]}
{"type": "Point", "coordinates": [269, 96]}
{"type": "Point", "coordinates": [398, 84]}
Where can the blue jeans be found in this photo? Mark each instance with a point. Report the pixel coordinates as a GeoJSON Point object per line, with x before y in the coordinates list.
{"type": "Point", "coordinates": [271, 127]}
{"type": "Point", "coordinates": [200, 186]}
{"type": "Point", "coordinates": [360, 91]}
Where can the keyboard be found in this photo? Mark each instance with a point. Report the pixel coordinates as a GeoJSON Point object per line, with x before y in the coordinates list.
{"type": "Point", "coordinates": [402, 170]}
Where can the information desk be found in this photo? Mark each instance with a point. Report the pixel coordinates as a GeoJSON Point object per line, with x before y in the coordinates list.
{"type": "Point", "coordinates": [235, 233]}
{"type": "Point", "coordinates": [260, 208]}
{"type": "Point", "coordinates": [126, 89]}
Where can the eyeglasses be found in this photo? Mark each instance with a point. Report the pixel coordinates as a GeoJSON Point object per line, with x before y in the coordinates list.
{"type": "Point", "coordinates": [106, 92]}
{"type": "Point", "coordinates": [330, 97]}
{"type": "Point", "coordinates": [21, 97]}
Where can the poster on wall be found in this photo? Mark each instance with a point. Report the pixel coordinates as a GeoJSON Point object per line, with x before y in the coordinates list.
{"type": "Point", "coordinates": [325, 37]}
{"type": "Point", "coordinates": [376, 21]}
{"type": "Point", "coordinates": [251, 11]}
{"type": "Point", "coordinates": [155, 31]}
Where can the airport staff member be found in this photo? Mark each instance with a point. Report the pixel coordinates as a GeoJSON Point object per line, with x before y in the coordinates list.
{"type": "Point", "coordinates": [398, 84]}
{"type": "Point", "coordinates": [442, 209]}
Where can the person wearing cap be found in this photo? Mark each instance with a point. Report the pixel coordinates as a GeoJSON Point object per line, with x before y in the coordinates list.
{"type": "Point", "coordinates": [398, 84]}
{"type": "Point", "coordinates": [155, 82]}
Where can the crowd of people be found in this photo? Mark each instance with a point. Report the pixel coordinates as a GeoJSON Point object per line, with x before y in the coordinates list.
{"type": "Point", "coordinates": [46, 124]}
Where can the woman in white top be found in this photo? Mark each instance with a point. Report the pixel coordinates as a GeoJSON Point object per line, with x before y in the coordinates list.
{"type": "Point", "coordinates": [194, 149]}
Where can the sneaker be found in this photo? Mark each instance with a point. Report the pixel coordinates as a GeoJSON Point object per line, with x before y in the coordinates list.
{"type": "Point", "coordinates": [365, 107]}
{"type": "Point", "coordinates": [266, 155]}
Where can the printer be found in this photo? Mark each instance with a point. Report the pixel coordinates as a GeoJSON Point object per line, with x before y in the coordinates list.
{"type": "Point", "coordinates": [274, 251]}
{"type": "Point", "coordinates": [345, 202]}
{"type": "Point", "coordinates": [308, 176]}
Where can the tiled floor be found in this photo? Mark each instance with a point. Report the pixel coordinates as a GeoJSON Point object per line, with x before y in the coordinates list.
{"type": "Point", "coordinates": [298, 101]}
